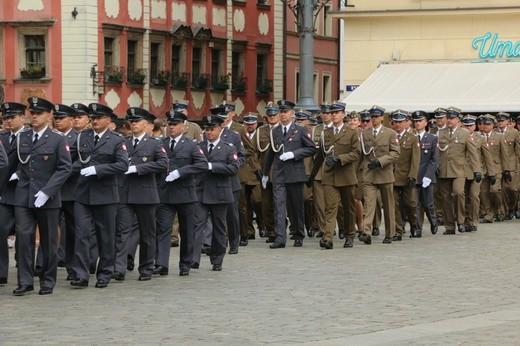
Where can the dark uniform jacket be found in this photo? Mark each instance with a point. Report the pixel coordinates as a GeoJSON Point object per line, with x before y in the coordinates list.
{"type": "Point", "coordinates": [235, 139]}
{"type": "Point", "coordinates": [299, 142]}
{"type": "Point", "coordinates": [429, 160]}
{"type": "Point", "coordinates": [149, 157]}
{"type": "Point", "coordinates": [7, 187]}
{"type": "Point", "coordinates": [187, 157]}
{"type": "Point", "coordinates": [109, 157]}
{"type": "Point", "coordinates": [69, 188]}
{"type": "Point", "coordinates": [44, 166]}
{"type": "Point", "coordinates": [215, 186]}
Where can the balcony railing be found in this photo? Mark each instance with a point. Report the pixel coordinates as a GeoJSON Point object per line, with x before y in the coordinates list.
{"type": "Point", "coordinates": [200, 81]}
{"type": "Point", "coordinates": [136, 76]}
{"type": "Point", "coordinates": [114, 74]}
{"type": "Point", "coordinates": [180, 80]}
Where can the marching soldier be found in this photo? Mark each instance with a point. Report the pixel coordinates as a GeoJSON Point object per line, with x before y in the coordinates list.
{"type": "Point", "coordinates": [138, 195]}
{"type": "Point", "coordinates": [177, 195]}
{"type": "Point", "coordinates": [491, 196]}
{"type": "Point", "coordinates": [338, 156]}
{"type": "Point", "coordinates": [13, 116]}
{"type": "Point", "coordinates": [290, 144]}
{"type": "Point", "coordinates": [192, 130]}
{"type": "Point", "coordinates": [43, 166]}
{"type": "Point", "coordinates": [426, 175]}
{"type": "Point", "coordinates": [457, 149]}
{"type": "Point", "coordinates": [440, 124]}
{"type": "Point", "coordinates": [509, 178]}
{"type": "Point", "coordinates": [214, 187]}
{"type": "Point", "coordinates": [380, 151]}
{"type": "Point", "coordinates": [102, 157]}
{"type": "Point", "coordinates": [80, 118]}
{"type": "Point", "coordinates": [405, 172]}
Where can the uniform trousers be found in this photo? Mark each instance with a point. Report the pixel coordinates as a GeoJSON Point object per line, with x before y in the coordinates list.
{"type": "Point", "coordinates": [26, 220]}
{"type": "Point", "coordinates": [405, 203]}
{"type": "Point", "coordinates": [68, 232]}
{"type": "Point", "coordinates": [217, 213]}
{"type": "Point", "coordinates": [491, 198]}
{"type": "Point", "coordinates": [233, 222]}
{"type": "Point", "coordinates": [288, 201]}
{"type": "Point", "coordinates": [249, 202]}
{"type": "Point", "coordinates": [309, 209]}
{"type": "Point", "coordinates": [453, 198]}
{"type": "Point", "coordinates": [336, 196]}
{"type": "Point", "coordinates": [472, 202]}
{"type": "Point", "coordinates": [268, 209]}
{"type": "Point", "coordinates": [165, 215]}
{"type": "Point", "coordinates": [425, 205]}
{"type": "Point", "coordinates": [509, 190]}
{"type": "Point", "coordinates": [438, 202]}
{"type": "Point", "coordinates": [101, 218]}
{"type": "Point", "coordinates": [6, 228]}
{"type": "Point", "coordinates": [371, 193]}
{"type": "Point", "coordinates": [319, 204]}
{"type": "Point", "coordinates": [200, 226]}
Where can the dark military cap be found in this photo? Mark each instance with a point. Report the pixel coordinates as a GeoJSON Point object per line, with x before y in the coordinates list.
{"type": "Point", "coordinates": [271, 109]}
{"type": "Point", "coordinates": [63, 111]}
{"type": "Point", "coordinates": [10, 109]}
{"type": "Point", "coordinates": [174, 116]}
{"type": "Point", "coordinates": [250, 118]}
{"type": "Point", "coordinates": [346, 118]}
{"type": "Point", "coordinates": [136, 113]}
{"type": "Point", "coordinates": [419, 115]}
{"type": "Point", "coordinates": [487, 119]}
{"type": "Point", "coordinates": [337, 106]}
{"type": "Point", "coordinates": [517, 119]}
{"type": "Point", "coordinates": [453, 112]}
{"type": "Point", "coordinates": [302, 114]}
{"type": "Point", "coordinates": [179, 105]}
{"type": "Point", "coordinates": [325, 107]}
{"type": "Point", "coordinates": [365, 115]}
{"type": "Point", "coordinates": [376, 111]}
{"type": "Point", "coordinates": [230, 106]}
{"type": "Point", "coordinates": [313, 121]}
{"type": "Point", "coordinates": [37, 104]}
{"type": "Point", "coordinates": [400, 115]}
{"type": "Point", "coordinates": [440, 112]}
{"type": "Point", "coordinates": [212, 121]}
{"type": "Point", "coordinates": [469, 119]}
{"type": "Point", "coordinates": [221, 111]}
{"type": "Point", "coordinates": [502, 116]}
{"type": "Point", "coordinates": [285, 105]}
{"type": "Point", "coordinates": [80, 108]}
{"type": "Point", "coordinates": [96, 110]}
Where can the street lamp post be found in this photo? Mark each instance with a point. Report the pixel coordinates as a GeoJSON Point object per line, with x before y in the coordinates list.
{"type": "Point", "coordinates": [306, 13]}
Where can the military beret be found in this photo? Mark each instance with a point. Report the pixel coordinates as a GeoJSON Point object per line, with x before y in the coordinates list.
{"type": "Point", "coordinates": [302, 114]}
{"type": "Point", "coordinates": [136, 113]}
{"type": "Point", "coordinates": [37, 104]}
{"type": "Point", "coordinates": [10, 109]}
{"type": "Point", "coordinates": [98, 110]}
{"type": "Point", "coordinates": [250, 118]}
{"type": "Point", "coordinates": [173, 116]}
{"type": "Point", "coordinates": [285, 105]}
{"type": "Point", "coordinates": [453, 112]}
{"type": "Point", "coordinates": [212, 121]}
{"type": "Point", "coordinates": [63, 111]}
{"type": "Point", "coordinates": [376, 111]}
{"type": "Point", "coordinates": [80, 108]}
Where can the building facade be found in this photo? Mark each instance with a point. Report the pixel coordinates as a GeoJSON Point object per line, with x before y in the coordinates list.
{"type": "Point", "coordinates": [143, 53]}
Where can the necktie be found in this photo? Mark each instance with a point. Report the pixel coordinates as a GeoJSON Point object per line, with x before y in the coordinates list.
{"type": "Point", "coordinates": [96, 139]}
{"type": "Point", "coordinates": [419, 137]}
{"type": "Point", "coordinates": [375, 133]}
{"type": "Point", "coordinates": [398, 138]}
{"type": "Point", "coordinates": [135, 142]}
{"type": "Point", "coordinates": [336, 130]}
{"type": "Point", "coordinates": [172, 144]}
{"type": "Point", "coordinates": [35, 138]}
{"type": "Point", "coordinates": [13, 138]}
{"type": "Point", "coordinates": [210, 148]}
{"type": "Point", "coordinates": [285, 131]}
{"type": "Point", "coordinates": [487, 137]}
{"type": "Point", "coordinates": [451, 133]}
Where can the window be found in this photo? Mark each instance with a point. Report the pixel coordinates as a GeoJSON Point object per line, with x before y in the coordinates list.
{"type": "Point", "coordinates": [216, 70]}
{"type": "Point", "coordinates": [32, 52]}
{"type": "Point", "coordinates": [131, 55]}
{"type": "Point", "coordinates": [35, 51]}
{"type": "Point", "coordinates": [196, 63]}
{"type": "Point", "coordinates": [154, 59]}
{"type": "Point", "coordinates": [109, 51]}
{"type": "Point", "coordinates": [327, 21]}
{"type": "Point", "coordinates": [239, 81]}
{"type": "Point", "coordinates": [176, 59]}
{"type": "Point", "coordinates": [326, 88]}
{"type": "Point", "coordinates": [264, 85]}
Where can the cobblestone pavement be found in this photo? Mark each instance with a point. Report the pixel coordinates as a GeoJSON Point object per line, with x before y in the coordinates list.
{"type": "Point", "coordinates": [437, 290]}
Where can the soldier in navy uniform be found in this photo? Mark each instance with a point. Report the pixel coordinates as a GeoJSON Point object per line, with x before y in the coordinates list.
{"type": "Point", "coordinates": [138, 195]}
{"type": "Point", "coordinates": [177, 195]}
{"type": "Point", "coordinates": [4, 163]}
{"type": "Point", "coordinates": [63, 122]}
{"type": "Point", "coordinates": [291, 143]}
{"type": "Point", "coordinates": [214, 187]}
{"type": "Point", "coordinates": [102, 156]}
{"type": "Point", "coordinates": [13, 119]}
{"type": "Point", "coordinates": [44, 166]}
{"type": "Point", "coordinates": [429, 158]}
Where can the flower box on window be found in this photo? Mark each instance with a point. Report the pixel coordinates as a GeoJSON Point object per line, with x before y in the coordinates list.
{"type": "Point", "coordinates": [180, 80]}
{"type": "Point", "coordinates": [114, 75]}
{"type": "Point", "coordinates": [239, 84]}
{"type": "Point", "coordinates": [265, 86]}
{"type": "Point", "coordinates": [221, 84]}
{"type": "Point", "coordinates": [33, 72]}
{"type": "Point", "coordinates": [200, 81]}
{"type": "Point", "coordinates": [136, 76]}
{"type": "Point", "coordinates": [162, 78]}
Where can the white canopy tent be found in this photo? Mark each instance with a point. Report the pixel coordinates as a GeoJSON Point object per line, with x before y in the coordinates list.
{"type": "Point", "coordinates": [472, 87]}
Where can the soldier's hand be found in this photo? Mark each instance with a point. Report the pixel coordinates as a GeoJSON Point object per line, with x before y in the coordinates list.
{"type": "Point", "coordinates": [264, 180]}
{"type": "Point", "coordinates": [410, 182]}
{"type": "Point", "coordinates": [88, 171]}
{"type": "Point", "coordinates": [477, 176]}
{"type": "Point", "coordinates": [287, 156]}
{"type": "Point", "coordinates": [507, 176]}
{"type": "Point", "coordinates": [310, 181]}
{"type": "Point", "coordinates": [492, 180]}
{"type": "Point", "coordinates": [13, 177]}
{"type": "Point", "coordinates": [259, 174]}
{"type": "Point", "coordinates": [374, 164]}
{"type": "Point", "coordinates": [174, 175]}
{"type": "Point", "coordinates": [41, 199]}
{"type": "Point", "coordinates": [333, 161]}
{"type": "Point", "coordinates": [426, 182]}
{"type": "Point", "coordinates": [132, 169]}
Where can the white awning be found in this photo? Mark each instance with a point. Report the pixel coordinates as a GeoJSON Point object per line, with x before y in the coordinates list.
{"type": "Point", "coordinates": [472, 87]}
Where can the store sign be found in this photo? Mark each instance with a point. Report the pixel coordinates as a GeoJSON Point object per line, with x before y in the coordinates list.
{"type": "Point", "coordinates": [352, 87]}
{"type": "Point", "coordinates": [490, 46]}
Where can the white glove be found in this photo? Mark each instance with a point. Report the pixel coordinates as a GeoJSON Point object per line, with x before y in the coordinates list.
{"type": "Point", "coordinates": [210, 166]}
{"type": "Point", "coordinates": [426, 182]}
{"type": "Point", "coordinates": [131, 169]}
{"type": "Point", "coordinates": [13, 177]}
{"type": "Point", "coordinates": [287, 156]}
{"type": "Point", "coordinates": [88, 171]}
{"type": "Point", "coordinates": [173, 176]}
{"type": "Point", "coordinates": [41, 199]}
{"type": "Point", "coordinates": [265, 178]}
